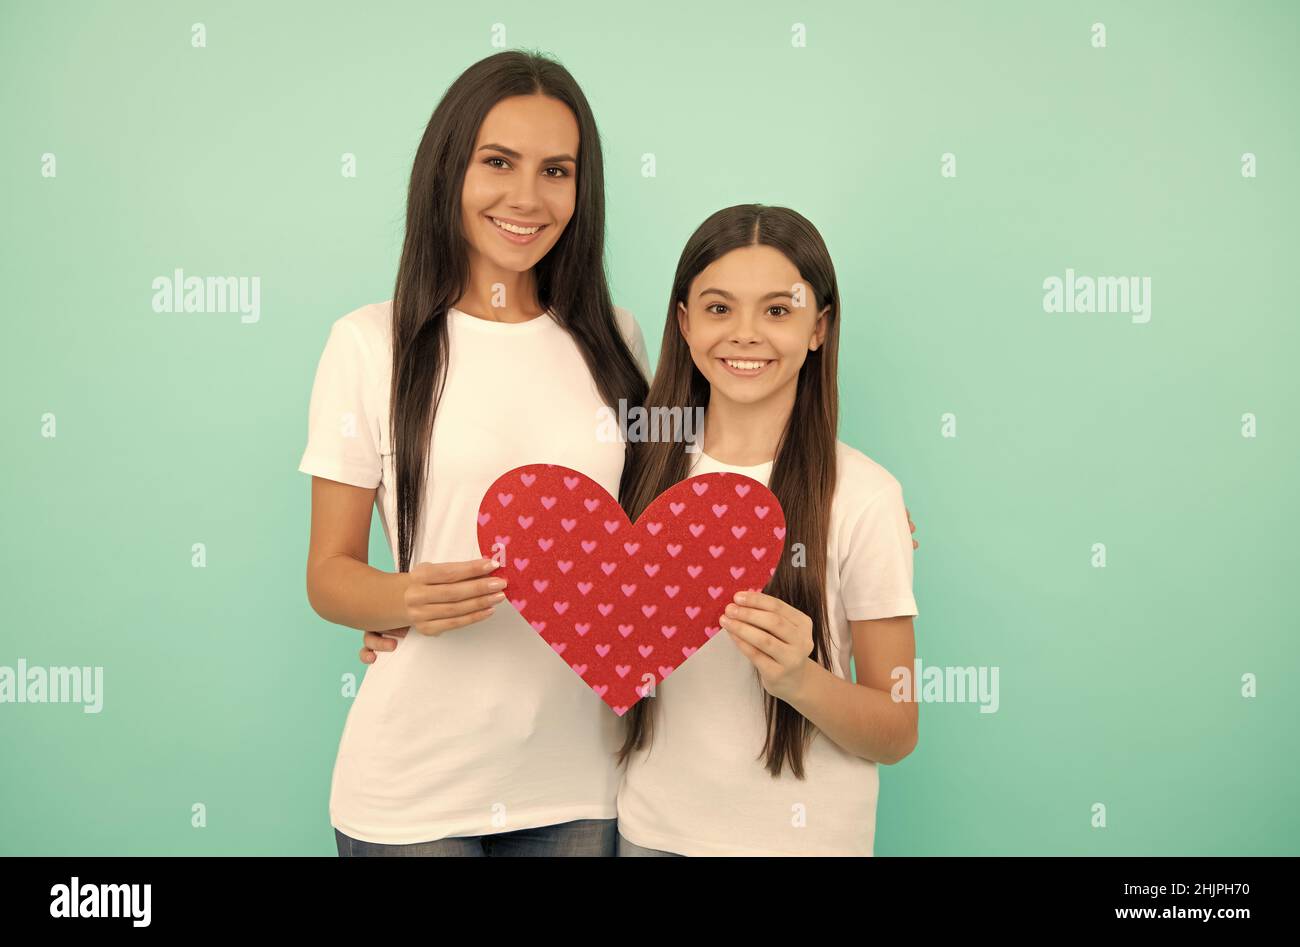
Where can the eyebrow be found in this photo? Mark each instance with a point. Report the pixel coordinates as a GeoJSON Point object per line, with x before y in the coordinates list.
{"type": "Point", "coordinates": [511, 153]}
{"type": "Point", "coordinates": [779, 294]}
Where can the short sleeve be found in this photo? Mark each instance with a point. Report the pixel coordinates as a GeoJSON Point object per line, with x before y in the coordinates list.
{"type": "Point", "coordinates": [342, 426]}
{"type": "Point", "coordinates": [631, 330]}
{"type": "Point", "coordinates": [876, 562]}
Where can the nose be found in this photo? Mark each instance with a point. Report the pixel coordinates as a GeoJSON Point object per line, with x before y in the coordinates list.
{"type": "Point", "coordinates": [523, 191]}
{"type": "Point", "coordinates": [745, 330]}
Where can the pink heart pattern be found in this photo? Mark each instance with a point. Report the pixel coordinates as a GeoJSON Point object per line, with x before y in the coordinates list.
{"type": "Point", "coordinates": [625, 604]}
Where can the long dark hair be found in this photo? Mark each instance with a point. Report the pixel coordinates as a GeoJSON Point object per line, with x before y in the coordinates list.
{"type": "Point", "coordinates": [803, 475]}
{"type": "Point", "coordinates": [434, 269]}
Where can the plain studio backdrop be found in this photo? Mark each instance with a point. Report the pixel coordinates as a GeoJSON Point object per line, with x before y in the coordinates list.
{"type": "Point", "coordinates": [955, 156]}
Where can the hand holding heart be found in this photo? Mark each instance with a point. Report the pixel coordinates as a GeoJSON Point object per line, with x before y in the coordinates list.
{"type": "Point", "coordinates": [776, 637]}
{"type": "Point", "coordinates": [441, 596]}
{"type": "Point", "coordinates": [625, 604]}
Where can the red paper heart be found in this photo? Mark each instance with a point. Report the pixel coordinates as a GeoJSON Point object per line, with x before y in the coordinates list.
{"type": "Point", "coordinates": [622, 603]}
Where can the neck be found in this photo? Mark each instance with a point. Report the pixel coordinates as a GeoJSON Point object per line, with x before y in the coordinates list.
{"type": "Point", "coordinates": [515, 293]}
{"type": "Point", "coordinates": [744, 434]}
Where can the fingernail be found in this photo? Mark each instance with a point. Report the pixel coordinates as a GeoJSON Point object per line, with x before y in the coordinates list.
{"type": "Point", "coordinates": [497, 597]}
{"type": "Point", "coordinates": [495, 584]}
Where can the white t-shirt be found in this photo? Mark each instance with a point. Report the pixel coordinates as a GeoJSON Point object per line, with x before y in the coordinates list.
{"type": "Point", "coordinates": [702, 787]}
{"type": "Point", "coordinates": [479, 730]}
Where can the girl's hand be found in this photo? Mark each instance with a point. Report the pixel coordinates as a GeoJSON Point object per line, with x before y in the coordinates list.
{"type": "Point", "coordinates": [776, 637]}
{"type": "Point", "coordinates": [376, 641]}
{"type": "Point", "coordinates": [915, 543]}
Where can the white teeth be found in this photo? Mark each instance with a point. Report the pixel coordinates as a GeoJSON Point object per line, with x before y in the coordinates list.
{"type": "Point", "coordinates": [743, 366]}
{"type": "Point", "coordinates": [511, 228]}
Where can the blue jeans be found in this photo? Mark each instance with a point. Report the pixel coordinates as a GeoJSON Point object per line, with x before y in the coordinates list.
{"type": "Point", "coordinates": [580, 837]}
{"type": "Point", "coordinates": [626, 848]}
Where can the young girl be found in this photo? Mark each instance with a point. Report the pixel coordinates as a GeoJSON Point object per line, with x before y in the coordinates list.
{"type": "Point", "coordinates": [761, 743]}
{"type": "Point", "coordinates": [467, 737]}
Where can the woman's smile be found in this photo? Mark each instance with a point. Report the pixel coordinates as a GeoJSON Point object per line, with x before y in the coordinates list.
{"type": "Point", "coordinates": [516, 231]}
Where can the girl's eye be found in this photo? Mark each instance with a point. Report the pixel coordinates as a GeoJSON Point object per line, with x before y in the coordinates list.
{"type": "Point", "coordinates": [564, 173]}
{"type": "Point", "coordinates": [489, 161]}
{"type": "Point", "coordinates": [783, 312]}
{"type": "Point", "coordinates": [712, 306]}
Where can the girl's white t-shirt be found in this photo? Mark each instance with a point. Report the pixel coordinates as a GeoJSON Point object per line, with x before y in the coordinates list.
{"type": "Point", "coordinates": [702, 787]}
{"type": "Point", "coordinates": [479, 730]}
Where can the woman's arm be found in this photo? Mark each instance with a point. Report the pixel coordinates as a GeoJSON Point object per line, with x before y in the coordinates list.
{"type": "Point", "coordinates": [342, 586]}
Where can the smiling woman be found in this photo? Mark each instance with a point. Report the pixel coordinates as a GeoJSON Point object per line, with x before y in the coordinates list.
{"type": "Point", "coordinates": [468, 737]}
{"type": "Point", "coordinates": [518, 198]}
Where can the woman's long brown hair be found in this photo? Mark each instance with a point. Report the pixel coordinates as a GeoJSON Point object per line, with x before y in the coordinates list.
{"type": "Point", "coordinates": [803, 475]}
{"type": "Point", "coordinates": [434, 268]}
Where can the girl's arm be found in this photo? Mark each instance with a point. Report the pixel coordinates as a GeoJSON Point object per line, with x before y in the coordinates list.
{"type": "Point", "coordinates": [862, 718]}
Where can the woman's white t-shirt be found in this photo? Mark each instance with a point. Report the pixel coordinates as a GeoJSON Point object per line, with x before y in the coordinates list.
{"type": "Point", "coordinates": [702, 787]}
{"type": "Point", "coordinates": [480, 730]}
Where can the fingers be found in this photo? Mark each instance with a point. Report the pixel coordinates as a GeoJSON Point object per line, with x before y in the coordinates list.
{"type": "Point", "coordinates": [438, 626]}
{"type": "Point", "coordinates": [375, 641]}
{"type": "Point", "coordinates": [762, 661]}
{"type": "Point", "coordinates": [438, 573]}
{"type": "Point", "coordinates": [420, 593]}
{"type": "Point", "coordinates": [447, 610]}
{"type": "Point", "coordinates": [446, 595]}
{"type": "Point", "coordinates": [761, 639]}
{"type": "Point", "coordinates": [378, 641]}
{"type": "Point", "coordinates": [770, 603]}
{"type": "Point", "coordinates": [795, 636]}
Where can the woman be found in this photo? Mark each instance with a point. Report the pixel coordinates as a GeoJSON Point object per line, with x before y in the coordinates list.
{"type": "Point", "coordinates": [497, 348]}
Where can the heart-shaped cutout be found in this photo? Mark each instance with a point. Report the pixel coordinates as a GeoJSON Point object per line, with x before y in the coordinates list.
{"type": "Point", "coordinates": [624, 604]}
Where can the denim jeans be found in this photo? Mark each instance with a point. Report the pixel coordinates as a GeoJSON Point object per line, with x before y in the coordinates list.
{"type": "Point", "coordinates": [580, 837]}
{"type": "Point", "coordinates": [626, 849]}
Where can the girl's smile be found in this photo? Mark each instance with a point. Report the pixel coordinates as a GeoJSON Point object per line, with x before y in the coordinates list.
{"type": "Point", "coordinates": [746, 367]}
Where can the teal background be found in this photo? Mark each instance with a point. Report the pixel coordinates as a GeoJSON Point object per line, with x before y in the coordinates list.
{"type": "Point", "coordinates": [1118, 685]}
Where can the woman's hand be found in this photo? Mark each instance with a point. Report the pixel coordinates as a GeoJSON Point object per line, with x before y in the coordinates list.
{"type": "Point", "coordinates": [776, 637]}
{"type": "Point", "coordinates": [441, 596]}
{"type": "Point", "coordinates": [446, 595]}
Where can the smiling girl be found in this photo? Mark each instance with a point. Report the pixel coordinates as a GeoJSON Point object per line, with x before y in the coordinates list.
{"type": "Point", "coordinates": [466, 736]}
{"type": "Point", "coordinates": [763, 743]}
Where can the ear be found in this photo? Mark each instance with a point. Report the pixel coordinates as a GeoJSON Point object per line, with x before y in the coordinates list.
{"type": "Point", "coordinates": [819, 330]}
{"type": "Point", "coordinates": [683, 321]}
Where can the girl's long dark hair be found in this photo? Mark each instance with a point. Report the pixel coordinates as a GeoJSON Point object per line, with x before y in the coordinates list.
{"type": "Point", "coordinates": [803, 475]}
{"type": "Point", "coordinates": [434, 269]}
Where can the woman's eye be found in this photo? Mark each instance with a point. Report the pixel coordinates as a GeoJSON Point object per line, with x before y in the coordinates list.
{"type": "Point", "coordinates": [714, 306]}
{"type": "Point", "coordinates": [563, 172]}
{"type": "Point", "coordinates": [783, 311]}
{"type": "Point", "coordinates": [495, 158]}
